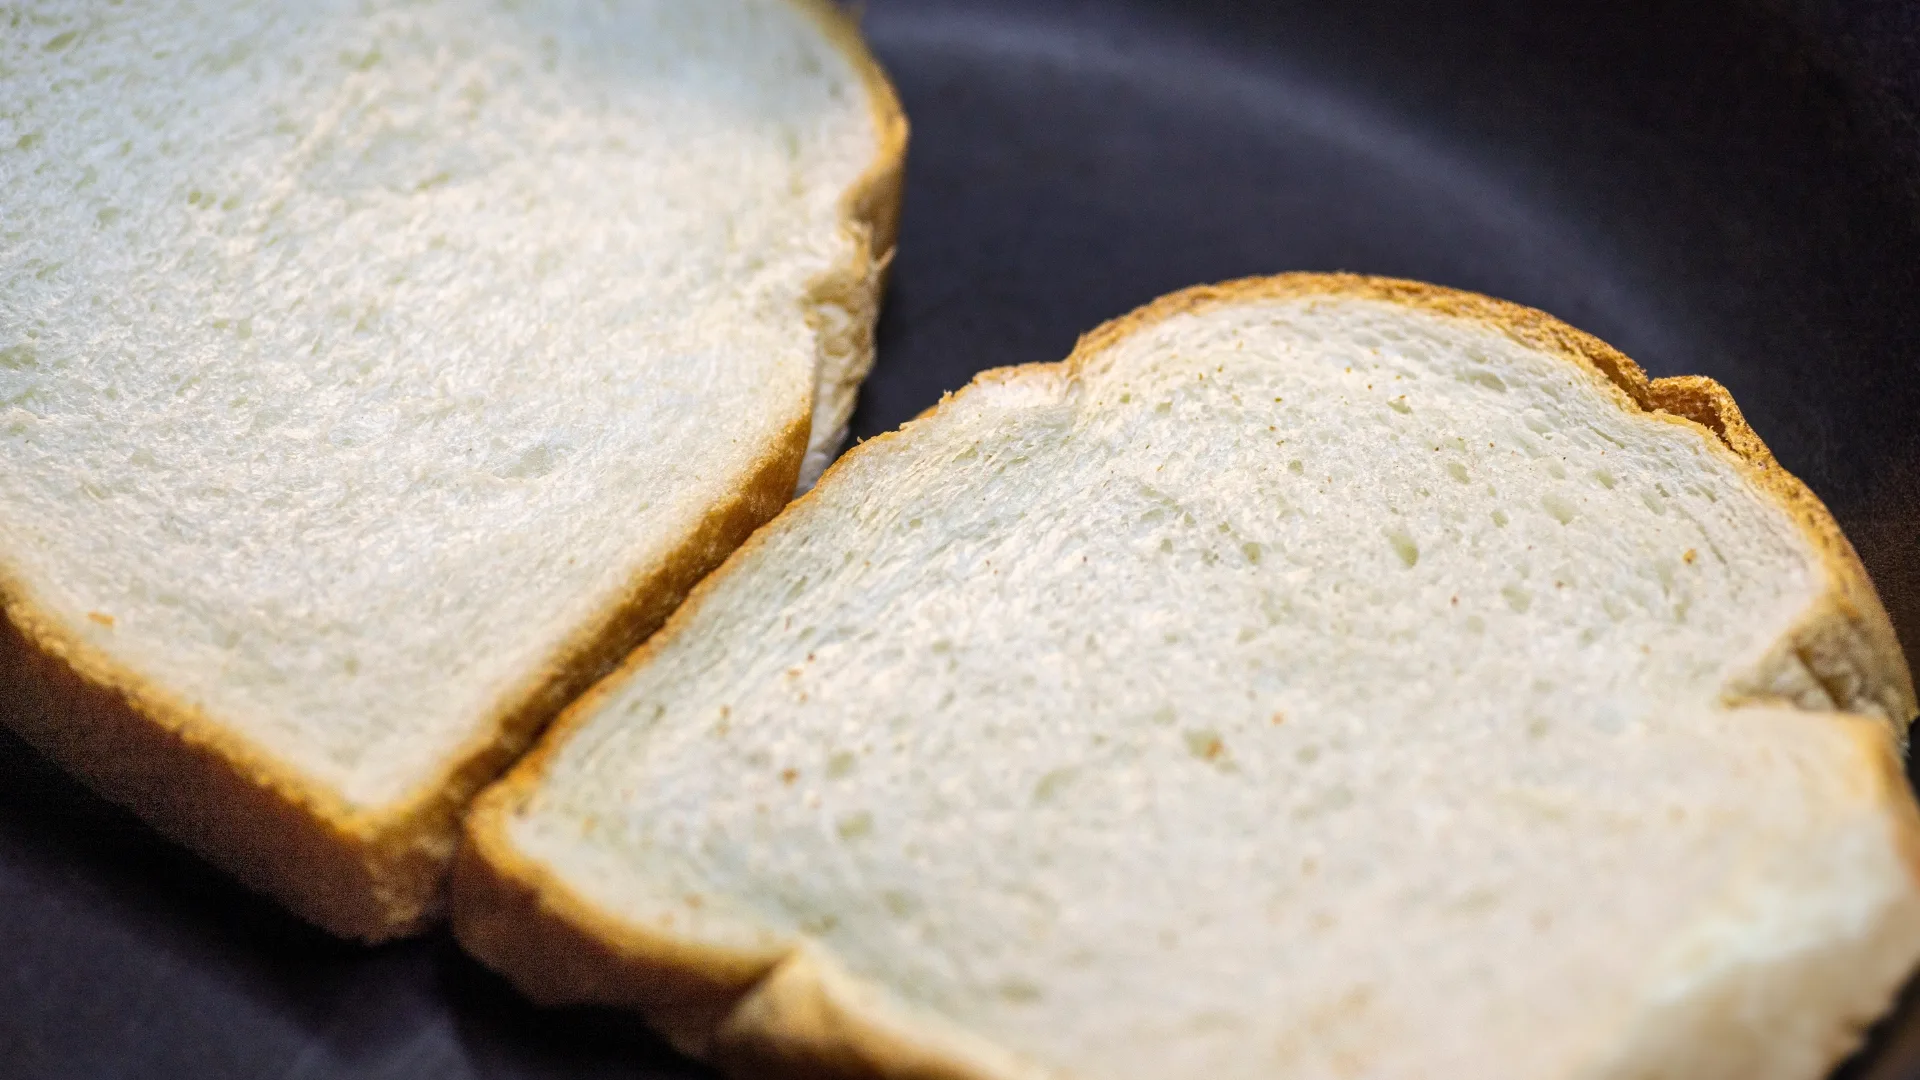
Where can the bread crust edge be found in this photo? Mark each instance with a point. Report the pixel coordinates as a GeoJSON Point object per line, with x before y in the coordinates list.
{"type": "Point", "coordinates": [870, 212]}
{"type": "Point", "coordinates": [380, 874]}
{"type": "Point", "coordinates": [1845, 643]}
{"type": "Point", "coordinates": [782, 1013]}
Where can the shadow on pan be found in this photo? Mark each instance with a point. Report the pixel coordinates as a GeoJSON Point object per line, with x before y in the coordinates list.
{"type": "Point", "coordinates": [1722, 187]}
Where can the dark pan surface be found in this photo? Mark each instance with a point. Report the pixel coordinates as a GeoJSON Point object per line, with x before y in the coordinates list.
{"type": "Point", "coordinates": [1717, 187]}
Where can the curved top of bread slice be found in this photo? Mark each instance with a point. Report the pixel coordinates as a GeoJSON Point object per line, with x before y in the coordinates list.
{"type": "Point", "coordinates": [1312, 677]}
{"type": "Point", "coordinates": [372, 374]}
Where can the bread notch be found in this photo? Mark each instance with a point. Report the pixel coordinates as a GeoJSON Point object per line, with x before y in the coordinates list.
{"type": "Point", "coordinates": [1316, 676]}
{"type": "Point", "coordinates": [375, 375]}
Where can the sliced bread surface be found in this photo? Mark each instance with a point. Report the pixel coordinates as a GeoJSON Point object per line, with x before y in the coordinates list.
{"type": "Point", "coordinates": [375, 375]}
{"type": "Point", "coordinates": [1316, 676]}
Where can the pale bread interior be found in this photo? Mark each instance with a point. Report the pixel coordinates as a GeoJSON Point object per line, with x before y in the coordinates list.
{"type": "Point", "coordinates": [1310, 686]}
{"type": "Point", "coordinates": [354, 357]}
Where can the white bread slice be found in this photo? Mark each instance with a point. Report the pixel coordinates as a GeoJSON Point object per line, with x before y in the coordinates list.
{"type": "Point", "coordinates": [1316, 676]}
{"type": "Point", "coordinates": [374, 375]}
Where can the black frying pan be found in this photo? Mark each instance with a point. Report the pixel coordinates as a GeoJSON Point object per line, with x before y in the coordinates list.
{"type": "Point", "coordinates": [1729, 187]}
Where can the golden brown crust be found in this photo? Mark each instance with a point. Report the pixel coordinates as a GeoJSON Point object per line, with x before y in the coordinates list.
{"type": "Point", "coordinates": [844, 304]}
{"type": "Point", "coordinates": [379, 874]}
{"type": "Point", "coordinates": [558, 950]}
{"type": "Point", "coordinates": [190, 777]}
{"type": "Point", "coordinates": [368, 875]}
{"type": "Point", "coordinates": [872, 204]}
{"type": "Point", "coordinates": [765, 1015]}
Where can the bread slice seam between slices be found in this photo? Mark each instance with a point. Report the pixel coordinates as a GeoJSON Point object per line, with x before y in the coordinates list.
{"type": "Point", "coordinates": [787, 1013]}
{"type": "Point", "coordinates": [377, 875]}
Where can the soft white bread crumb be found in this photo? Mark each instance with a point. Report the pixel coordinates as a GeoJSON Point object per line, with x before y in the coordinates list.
{"type": "Point", "coordinates": [362, 363]}
{"type": "Point", "coordinates": [1319, 677]}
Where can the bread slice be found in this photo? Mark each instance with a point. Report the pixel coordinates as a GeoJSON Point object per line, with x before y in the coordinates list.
{"type": "Point", "coordinates": [1316, 676]}
{"type": "Point", "coordinates": [374, 375]}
